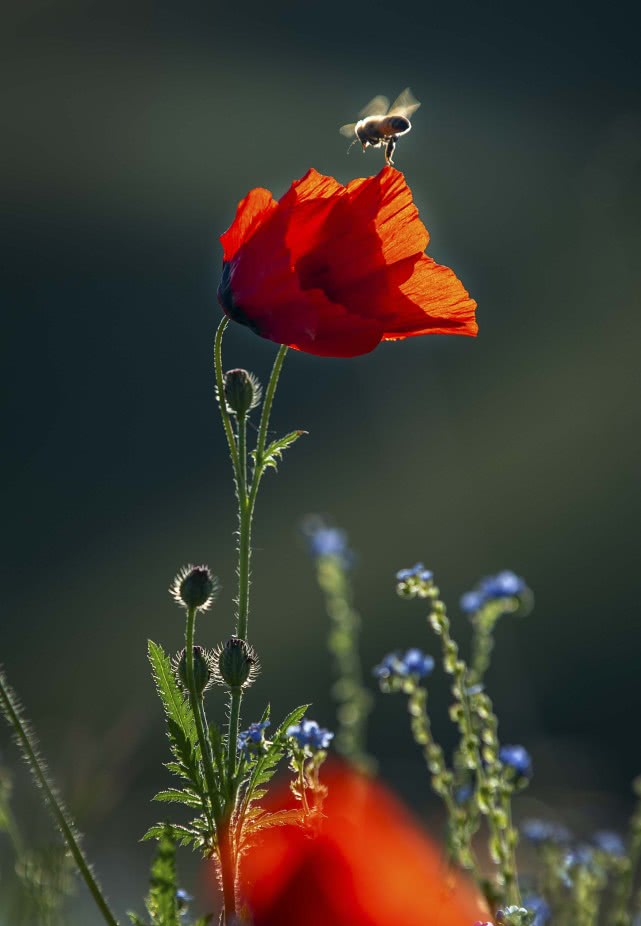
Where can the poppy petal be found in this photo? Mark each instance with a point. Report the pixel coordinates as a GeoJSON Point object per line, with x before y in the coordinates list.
{"type": "Point", "coordinates": [251, 212]}
{"type": "Point", "coordinates": [331, 270]}
{"type": "Point", "coordinates": [441, 304]}
{"type": "Point", "coordinates": [370, 865]}
{"type": "Point", "coordinates": [386, 200]}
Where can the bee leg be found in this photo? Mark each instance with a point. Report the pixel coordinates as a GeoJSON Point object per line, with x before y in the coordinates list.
{"type": "Point", "coordinates": [389, 149]}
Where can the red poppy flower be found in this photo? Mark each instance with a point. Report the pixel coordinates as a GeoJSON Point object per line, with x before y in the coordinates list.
{"type": "Point", "coordinates": [370, 865]}
{"type": "Point", "coordinates": [333, 270]}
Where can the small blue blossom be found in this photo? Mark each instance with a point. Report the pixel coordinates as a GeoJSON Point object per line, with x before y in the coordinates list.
{"type": "Point", "coordinates": [581, 856]}
{"type": "Point", "coordinates": [463, 794]}
{"type": "Point", "coordinates": [477, 689]}
{"type": "Point", "coordinates": [417, 571]}
{"type": "Point", "coordinates": [505, 584]}
{"type": "Point", "coordinates": [541, 831]}
{"type": "Point", "coordinates": [183, 899]}
{"type": "Point", "coordinates": [252, 736]}
{"type": "Point", "coordinates": [609, 842]}
{"type": "Point", "coordinates": [397, 665]}
{"type": "Point", "coordinates": [415, 582]}
{"type": "Point", "coordinates": [471, 602]}
{"type": "Point", "coordinates": [324, 540]}
{"type": "Point", "coordinates": [308, 733]}
{"type": "Point", "coordinates": [539, 908]}
{"type": "Point", "coordinates": [517, 758]}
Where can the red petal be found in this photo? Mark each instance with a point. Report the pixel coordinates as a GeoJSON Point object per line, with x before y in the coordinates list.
{"type": "Point", "coordinates": [440, 304]}
{"type": "Point", "coordinates": [251, 212]}
{"type": "Point", "coordinates": [386, 200]}
{"type": "Point", "coordinates": [370, 866]}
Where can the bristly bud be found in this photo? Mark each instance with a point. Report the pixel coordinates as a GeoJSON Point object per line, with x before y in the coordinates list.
{"type": "Point", "coordinates": [194, 588]}
{"type": "Point", "coordinates": [242, 392]}
{"type": "Point", "coordinates": [235, 663]}
{"type": "Point", "coordinates": [203, 669]}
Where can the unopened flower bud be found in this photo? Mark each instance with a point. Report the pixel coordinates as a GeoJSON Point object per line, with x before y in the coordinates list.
{"type": "Point", "coordinates": [236, 663]}
{"type": "Point", "coordinates": [194, 587]}
{"type": "Point", "coordinates": [242, 392]}
{"type": "Point", "coordinates": [203, 669]}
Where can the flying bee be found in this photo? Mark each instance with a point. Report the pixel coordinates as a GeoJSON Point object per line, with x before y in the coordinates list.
{"type": "Point", "coordinates": [382, 124]}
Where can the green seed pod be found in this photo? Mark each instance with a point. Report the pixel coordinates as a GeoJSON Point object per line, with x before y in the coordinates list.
{"type": "Point", "coordinates": [194, 588]}
{"type": "Point", "coordinates": [236, 663]}
{"type": "Point", "coordinates": [242, 392]}
{"type": "Point", "coordinates": [203, 669]}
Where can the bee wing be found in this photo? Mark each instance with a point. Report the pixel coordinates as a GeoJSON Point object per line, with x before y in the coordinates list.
{"type": "Point", "coordinates": [405, 104]}
{"type": "Point", "coordinates": [348, 130]}
{"type": "Point", "coordinates": [376, 107]}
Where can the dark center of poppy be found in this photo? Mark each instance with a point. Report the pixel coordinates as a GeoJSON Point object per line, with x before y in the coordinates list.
{"type": "Point", "coordinates": [226, 300]}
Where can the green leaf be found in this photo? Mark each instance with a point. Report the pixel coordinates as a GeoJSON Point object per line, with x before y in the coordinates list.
{"type": "Point", "coordinates": [180, 797]}
{"type": "Point", "coordinates": [274, 452]}
{"type": "Point", "coordinates": [161, 901]}
{"type": "Point", "coordinates": [135, 919]}
{"type": "Point", "coordinates": [181, 725]}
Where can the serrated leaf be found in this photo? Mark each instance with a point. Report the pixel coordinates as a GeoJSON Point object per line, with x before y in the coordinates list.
{"type": "Point", "coordinates": [181, 725]}
{"type": "Point", "coordinates": [162, 904]}
{"type": "Point", "coordinates": [274, 452]}
{"type": "Point", "coordinates": [180, 797]}
{"type": "Point", "coordinates": [292, 718]}
{"type": "Point", "coordinates": [135, 919]}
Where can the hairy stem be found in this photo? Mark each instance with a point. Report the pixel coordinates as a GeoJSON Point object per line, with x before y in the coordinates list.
{"type": "Point", "coordinates": [27, 743]}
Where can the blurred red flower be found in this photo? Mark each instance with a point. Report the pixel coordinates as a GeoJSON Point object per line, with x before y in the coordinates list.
{"type": "Point", "coordinates": [370, 865]}
{"type": "Point", "coordinates": [333, 270]}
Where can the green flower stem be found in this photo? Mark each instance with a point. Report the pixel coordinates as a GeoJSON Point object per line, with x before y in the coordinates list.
{"type": "Point", "coordinates": [246, 495]}
{"type": "Point", "coordinates": [502, 839]}
{"type": "Point", "coordinates": [442, 778]}
{"type": "Point", "coordinates": [220, 387]}
{"type": "Point", "coordinates": [264, 418]}
{"type": "Point", "coordinates": [198, 711]}
{"type": "Point", "coordinates": [235, 697]}
{"type": "Point", "coordinates": [353, 698]}
{"type": "Point", "coordinates": [26, 741]}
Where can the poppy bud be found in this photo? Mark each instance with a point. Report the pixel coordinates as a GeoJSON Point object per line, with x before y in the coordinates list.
{"type": "Point", "coordinates": [194, 587]}
{"type": "Point", "coordinates": [242, 392]}
{"type": "Point", "coordinates": [236, 663]}
{"type": "Point", "coordinates": [203, 669]}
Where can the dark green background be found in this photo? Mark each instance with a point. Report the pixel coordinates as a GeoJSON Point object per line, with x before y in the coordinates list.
{"type": "Point", "coordinates": [130, 133]}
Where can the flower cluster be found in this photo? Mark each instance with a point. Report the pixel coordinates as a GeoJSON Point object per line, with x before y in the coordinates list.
{"type": "Point", "coordinates": [518, 759]}
{"type": "Point", "coordinates": [253, 738]}
{"type": "Point", "coordinates": [416, 582]}
{"type": "Point", "coordinates": [503, 585]}
{"type": "Point", "coordinates": [539, 832]}
{"type": "Point", "coordinates": [397, 665]}
{"type": "Point", "coordinates": [308, 735]}
{"type": "Point", "coordinates": [326, 541]}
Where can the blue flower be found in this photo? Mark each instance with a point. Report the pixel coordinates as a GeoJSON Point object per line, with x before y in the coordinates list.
{"type": "Point", "coordinates": [505, 584]}
{"type": "Point", "coordinates": [323, 540]}
{"type": "Point", "coordinates": [308, 733]}
{"type": "Point", "coordinates": [252, 736]}
{"type": "Point", "coordinates": [183, 899]}
{"type": "Point", "coordinates": [540, 831]}
{"type": "Point", "coordinates": [609, 842]}
{"type": "Point", "coordinates": [539, 908]}
{"type": "Point", "coordinates": [417, 571]}
{"type": "Point", "coordinates": [413, 663]}
{"type": "Point", "coordinates": [518, 759]}
{"type": "Point", "coordinates": [463, 794]}
{"type": "Point", "coordinates": [471, 602]}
